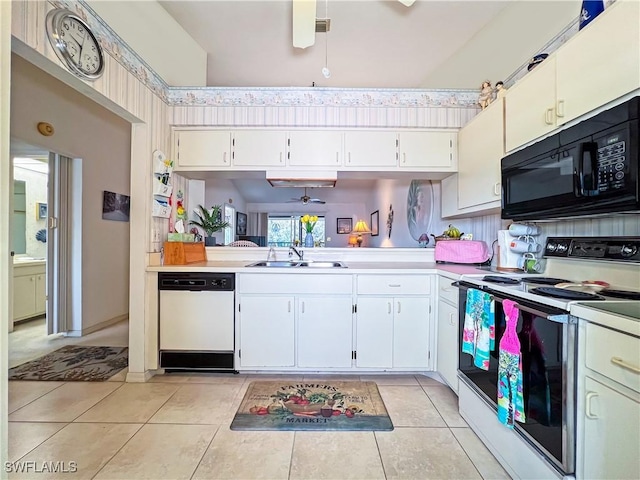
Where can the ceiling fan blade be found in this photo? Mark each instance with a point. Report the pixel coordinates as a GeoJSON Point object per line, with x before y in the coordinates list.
{"type": "Point", "coordinates": [316, 200]}
{"type": "Point", "coordinates": [304, 23]}
{"type": "Point", "coordinates": [407, 3]}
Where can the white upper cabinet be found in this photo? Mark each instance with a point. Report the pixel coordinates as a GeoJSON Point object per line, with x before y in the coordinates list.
{"type": "Point", "coordinates": [531, 105]}
{"type": "Point", "coordinates": [371, 149]}
{"type": "Point", "coordinates": [481, 147]}
{"type": "Point", "coordinates": [315, 148]}
{"type": "Point", "coordinates": [595, 67]}
{"type": "Point", "coordinates": [435, 149]}
{"type": "Point", "coordinates": [197, 149]}
{"type": "Point", "coordinates": [601, 64]}
{"type": "Point", "coordinates": [259, 148]}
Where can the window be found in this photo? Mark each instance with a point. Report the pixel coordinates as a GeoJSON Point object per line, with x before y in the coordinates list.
{"type": "Point", "coordinates": [286, 230]}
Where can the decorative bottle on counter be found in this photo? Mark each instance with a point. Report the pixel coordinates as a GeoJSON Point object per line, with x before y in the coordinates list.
{"type": "Point", "coordinates": [308, 240]}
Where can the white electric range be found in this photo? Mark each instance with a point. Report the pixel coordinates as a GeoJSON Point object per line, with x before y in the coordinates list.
{"type": "Point", "coordinates": [545, 445]}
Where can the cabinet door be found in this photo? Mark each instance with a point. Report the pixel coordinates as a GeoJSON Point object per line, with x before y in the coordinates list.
{"type": "Point", "coordinates": [530, 105]}
{"type": "Point", "coordinates": [324, 333]}
{"type": "Point", "coordinates": [41, 294]}
{"type": "Point", "coordinates": [447, 361]}
{"type": "Point", "coordinates": [427, 149]}
{"type": "Point", "coordinates": [411, 332]}
{"type": "Point", "coordinates": [24, 296]}
{"type": "Point", "coordinates": [267, 329]}
{"type": "Point", "coordinates": [481, 147]}
{"type": "Point", "coordinates": [374, 332]}
{"type": "Point", "coordinates": [371, 149]}
{"type": "Point", "coordinates": [203, 148]}
{"type": "Point", "coordinates": [601, 63]}
{"type": "Point", "coordinates": [259, 148]}
{"type": "Point", "coordinates": [315, 148]}
{"type": "Point", "coordinates": [611, 437]}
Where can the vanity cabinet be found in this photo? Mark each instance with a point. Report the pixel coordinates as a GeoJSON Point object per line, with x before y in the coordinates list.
{"type": "Point", "coordinates": [393, 322]}
{"type": "Point", "coordinates": [317, 148]}
{"type": "Point", "coordinates": [371, 149]}
{"type": "Point", "coordinates": [608, 403]}
{"type": "Point", "coordinates": [294, 321]}
{"type": "Point", "coordinates": [202, 149]}
{"type": "Point", "coordinates": [29, 290]}
{"type": "Point", "coordinates": [571, 83]}
{"type": "Point", "coordinates": [432, 149]}
{"type": "Point", "coordinates": [448, 343]}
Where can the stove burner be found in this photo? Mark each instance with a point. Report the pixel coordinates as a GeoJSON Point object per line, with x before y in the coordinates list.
{"type": "Point", "coordinates": [566, 294]}
{"type": "Point", "coordinates": [503, 280]}
{"type": "Point", "coordinates": [544, 280]}
{"type": "Point", "coordinates": [626, 294]}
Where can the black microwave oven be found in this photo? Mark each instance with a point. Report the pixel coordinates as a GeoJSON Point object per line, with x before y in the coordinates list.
{"type": "Point", "coordinates": [588, 169]}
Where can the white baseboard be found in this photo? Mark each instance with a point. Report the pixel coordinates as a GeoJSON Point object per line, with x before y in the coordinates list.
{"type": "Point", "coordinates": [139, 377]}
{"type": "Point", "coordinates": [98, 326]}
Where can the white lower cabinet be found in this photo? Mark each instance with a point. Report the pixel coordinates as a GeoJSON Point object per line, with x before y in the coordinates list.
{"type": "Point", "coordinates": [289, 321]}
{"type": "Point", "coordinates": [267, 326]}
{"type": "Point", "coordinates": [393, 331]}
{"type": "Point", "coordinates": [608, 410]}
{"type": "Point", "coordinates": [447, 356]}
{"type": "Point", "coordinates": [29, 291]}
{"type": "Point", "coordinates": [324, 332]}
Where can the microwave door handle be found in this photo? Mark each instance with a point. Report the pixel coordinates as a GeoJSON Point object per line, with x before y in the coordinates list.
{"type": "Point", "coordinates": [586, 186]}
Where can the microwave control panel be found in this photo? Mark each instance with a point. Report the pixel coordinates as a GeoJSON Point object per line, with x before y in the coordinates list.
{"type": "Point", "coordinates": [612, 168]}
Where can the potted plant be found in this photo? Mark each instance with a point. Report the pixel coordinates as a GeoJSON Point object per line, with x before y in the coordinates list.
{"type": "Point", "coordinates": [210, 221]}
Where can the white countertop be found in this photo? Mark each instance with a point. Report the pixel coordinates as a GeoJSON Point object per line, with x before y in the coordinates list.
{"type": "Point", "coordinates": [450, 271]}
{"type": "Point", "coordinates": [623, 315]}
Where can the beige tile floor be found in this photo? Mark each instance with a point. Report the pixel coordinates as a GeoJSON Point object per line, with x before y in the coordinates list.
{"type": "Point", "coordinates": [177, 426]}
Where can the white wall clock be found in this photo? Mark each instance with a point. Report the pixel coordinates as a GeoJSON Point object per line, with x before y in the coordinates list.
{"type": "Point", "coordinates": [75, 44]}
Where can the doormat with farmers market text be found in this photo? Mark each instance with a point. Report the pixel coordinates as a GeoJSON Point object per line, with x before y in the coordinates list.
{"type": "Point", "coordinates": [312, 405]}
{"type": "Point", "coordinates": [74, 363]}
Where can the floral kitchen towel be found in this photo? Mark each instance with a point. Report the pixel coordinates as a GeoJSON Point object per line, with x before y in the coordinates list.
{"type": "Point", "coordinates": [478, 336]}
{"type": "Point", "coordinates": [510, 400]}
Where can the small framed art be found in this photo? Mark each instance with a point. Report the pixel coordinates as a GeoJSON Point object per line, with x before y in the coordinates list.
{"type": "Point", "coordinates": [375, 223]}
{"type": "Point", "coordinates": [345, 225]}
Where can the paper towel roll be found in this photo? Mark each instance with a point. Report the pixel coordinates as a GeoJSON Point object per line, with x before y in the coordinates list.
{"type": "Point", "coordinates": [507, 259]}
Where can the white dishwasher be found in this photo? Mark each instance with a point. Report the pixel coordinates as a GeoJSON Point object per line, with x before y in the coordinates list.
{"type": "Point", "coordinates": [196, 321]}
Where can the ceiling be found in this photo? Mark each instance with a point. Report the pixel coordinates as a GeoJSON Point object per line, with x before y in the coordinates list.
{"type": "Point", "coordinates": [372, 43]}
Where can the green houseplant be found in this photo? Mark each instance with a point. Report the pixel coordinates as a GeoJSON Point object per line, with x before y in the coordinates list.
{"type": "Point", "coordinates": [210, 221]}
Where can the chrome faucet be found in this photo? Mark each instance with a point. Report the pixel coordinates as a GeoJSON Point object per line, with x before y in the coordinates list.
{"type": "Point", "coordinates": [271, 256]}
{"type": "Point", "coordinates": [300, 253]}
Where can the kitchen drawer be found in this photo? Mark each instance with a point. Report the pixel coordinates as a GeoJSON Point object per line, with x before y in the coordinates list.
{"type": "Point", "coordinates": [446, 291]}
{"type": "Point", "coordinates": [294, 283]}
{"type": "Point", "coordinates": [614, 355]}
{"type": "Point", "coordinates": [394, 284]}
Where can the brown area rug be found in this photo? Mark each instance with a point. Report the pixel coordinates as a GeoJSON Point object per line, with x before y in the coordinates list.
{"type": "Point", "coordinates": [74, 363]}
{"type": "Point", "coordinates": [312, 406]}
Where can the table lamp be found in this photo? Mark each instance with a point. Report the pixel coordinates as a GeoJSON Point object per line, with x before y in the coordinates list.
{"type": "Point", "coordinates": [353, 240]}
{"type": "Point", "coordinates": [360, 228]}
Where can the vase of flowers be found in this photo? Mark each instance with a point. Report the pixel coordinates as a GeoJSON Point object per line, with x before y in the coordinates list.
{"type": "Point", "coordinates": [309, 222]}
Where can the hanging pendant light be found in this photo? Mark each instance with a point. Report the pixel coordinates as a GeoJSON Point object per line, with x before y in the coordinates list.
{"type": "Point", "coordinates": [325, 70]}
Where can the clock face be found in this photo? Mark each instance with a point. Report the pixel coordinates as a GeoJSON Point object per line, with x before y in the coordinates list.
{"type": "Point", "coordinates": [75, 44]}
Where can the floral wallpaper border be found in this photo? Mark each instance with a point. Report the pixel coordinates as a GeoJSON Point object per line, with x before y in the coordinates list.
{"type": "Point", "coordinates": [288, 96]}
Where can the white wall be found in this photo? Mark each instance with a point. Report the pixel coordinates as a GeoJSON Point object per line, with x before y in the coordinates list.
{"type": "Point", "coordinates": [102, 140]}
{"type": "Point", "coordinates": [531, 24]}
{"type": "Point", "coordinates": [154, 35]}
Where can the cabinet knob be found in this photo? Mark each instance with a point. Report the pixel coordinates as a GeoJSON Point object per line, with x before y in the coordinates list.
{"type": "Point", "coordinates": [399, 307]}
{"type": "Point", "coordinates": [349, 157]}
{"type": "Point", "coordinates": [404, 157]}
{"type": "Point", "coordinates": [626, 365]}
{"type": "Point", "coordinates": [587, 410]}
{"type": "Point", "coordinates": [548, 116]}
{"type": "Point", "coordinates": [389, 307]}
{"type": "Point", "coordinates": [224, 157]}
{"type": "Point", "coordinates": [496, 189]}
{"type": "Point", "coordinates": [560, 108]}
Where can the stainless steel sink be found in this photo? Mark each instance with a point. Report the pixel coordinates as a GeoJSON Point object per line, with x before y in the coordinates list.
{"type": "Point", "coordinates": [274, 264]}
{"type": "Point", "coordinates": [298, 264]}
{"type": "Point", "coordinates": [322, 264]}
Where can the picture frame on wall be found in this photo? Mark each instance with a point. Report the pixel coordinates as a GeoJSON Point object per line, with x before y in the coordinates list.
{"type": "Point", "coordinates": [241, 223]}
{"type": "Point", "coordinates": [344, 225]}
{"type": "Point", "coordinates": [41, 210]}
{"type": "Point", "coordinates": [115, 206]}
{"type": "Point", "coordinates": [375, 223]}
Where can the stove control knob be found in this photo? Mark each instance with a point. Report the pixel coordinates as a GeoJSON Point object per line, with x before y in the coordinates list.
{"type": "Point", "coordinates": [552, 247]}
{"type": "Point", "coordinates": [562, 247]}
{"type": "Point", "coordinates": [628, 250]}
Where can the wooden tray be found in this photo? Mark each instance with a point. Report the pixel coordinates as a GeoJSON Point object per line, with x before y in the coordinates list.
{"type": "Point", "coordinates": [181, 253]}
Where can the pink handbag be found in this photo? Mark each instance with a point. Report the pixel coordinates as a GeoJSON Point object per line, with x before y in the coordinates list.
{"type": "Point", "coordinates": [462, 251]}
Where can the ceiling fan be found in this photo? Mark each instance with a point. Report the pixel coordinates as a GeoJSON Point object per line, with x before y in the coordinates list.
{"type": "Point", "coordinates": [305, 199]}
{"type": "Point", "coordinates": [305, 23]}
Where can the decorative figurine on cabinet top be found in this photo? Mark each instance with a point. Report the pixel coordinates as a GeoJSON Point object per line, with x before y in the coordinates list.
{"type": "Point", "coordinates": [485, 97]}
{"type": "Point", "coordinates": [500, 90]}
